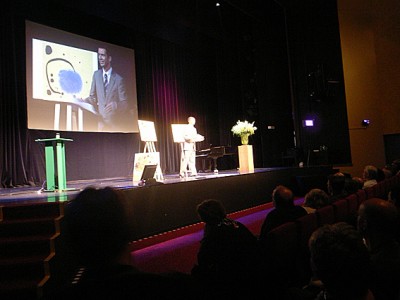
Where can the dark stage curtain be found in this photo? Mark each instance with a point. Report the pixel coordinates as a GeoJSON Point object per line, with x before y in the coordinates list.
{"type": "Point", "coordinates": [14, 151]}
{"type": "Point", "coordinates": [161, 94]}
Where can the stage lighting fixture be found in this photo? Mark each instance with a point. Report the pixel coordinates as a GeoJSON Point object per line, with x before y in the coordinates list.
{"type": "Point", "coordinates": [217, 4]}
{"type": "Point", "coordinates": [365, 122]}
{"type": "Point", "coordinates": [308, 123]}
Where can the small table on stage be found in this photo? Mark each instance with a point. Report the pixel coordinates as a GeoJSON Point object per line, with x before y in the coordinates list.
{"type": "Point", "coordinates": [53, 183]}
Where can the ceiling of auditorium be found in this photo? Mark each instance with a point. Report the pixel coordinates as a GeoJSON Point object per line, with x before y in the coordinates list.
{"type": "Point", "coordinates": [198, 15]}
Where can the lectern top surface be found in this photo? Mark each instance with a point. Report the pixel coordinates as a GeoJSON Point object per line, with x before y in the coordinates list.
{"type": "Point", "coordinates": [54, 140]}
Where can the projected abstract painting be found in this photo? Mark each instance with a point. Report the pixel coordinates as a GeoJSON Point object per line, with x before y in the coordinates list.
{"type": "Point", "coordinates": [62, 73]}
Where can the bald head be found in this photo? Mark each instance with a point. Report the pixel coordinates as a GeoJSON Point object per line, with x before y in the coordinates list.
{"type": "Point", "coordinates": [282, 197]}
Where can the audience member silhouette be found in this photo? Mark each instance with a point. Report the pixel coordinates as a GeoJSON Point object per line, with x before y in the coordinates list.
{"type": "Point", "coordinates": [284, 211]}
{"type": "Point", "coordinates": [370, 175]}
{"type": "Point", "coordinates": [354, 184]}
{"type": "Point", "coordinates": [336, 186]}
{"type": "Point", "coordinates": [227, 255]}
{"type": "Point", "coordinates": [341, 261]}
{"type": "Point", "coordinates": [396, 166]}
{"type": "Point", "coordinates": [393, 197]}
{"type": "Point", "coordinates": [314, 199]}
{"type": "Point", "coordinates": [387, 171]}
{"type": "Point", "coordinates": [380, 175]}
{"type": "Point", "coordinates": [98, 233]}
{"type": "Point", "coordinates": [378, 223]}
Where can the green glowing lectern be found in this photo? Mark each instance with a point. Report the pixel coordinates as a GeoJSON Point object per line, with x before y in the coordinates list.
{"type": "Point", "coordinates": [57, 145]}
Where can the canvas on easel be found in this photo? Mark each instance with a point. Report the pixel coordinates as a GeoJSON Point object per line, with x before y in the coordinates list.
{"type": "Point", "coordinates": [143, 159]}
{"type": "Point", "coordinates": [148, 135]}
{"type": "Point", "coordinates": [178, 132]}
{"type": "Point", "coordinates": [147, 131]}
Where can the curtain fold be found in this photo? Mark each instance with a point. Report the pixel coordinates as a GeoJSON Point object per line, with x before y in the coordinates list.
{"type": "Point", "coordinates": [166, 63]}
{"type": "Point", "coordinates": [14, 152]}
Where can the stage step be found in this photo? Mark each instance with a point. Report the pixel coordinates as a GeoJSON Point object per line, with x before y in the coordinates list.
{"type": "Point", "coordinates": [11, 247]}
{"type": "Point", "coordinates": [22, 289]}
{"type": "Point", "coordinates": [28, 238]}
{"type": "Point", "coordinates": [28, 268]}
{"type": "Point", "coordinates": [29, 227]}
{"type": "Point", "coordinates": [32, 210]}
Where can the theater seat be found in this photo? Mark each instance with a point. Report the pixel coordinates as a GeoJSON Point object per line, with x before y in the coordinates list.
{"type": "Point", "coordinates": [279, 253]}
{"type": "Point", "coordinates": [325, 215]}
{"type": "Point", "coordinates": [362, 196]}
{"type": "Point", "coordinates": [352, 203]}
{"type": "Point", "coordinates": [306, 225]}
{"type": "Point", "coordinates": [371, 192]}
{"type": "Point", "coordinates": [341, 210]}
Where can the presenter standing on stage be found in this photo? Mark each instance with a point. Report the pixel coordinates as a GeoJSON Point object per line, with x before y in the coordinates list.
{"type": "Point", "coordinates": [188, 159]}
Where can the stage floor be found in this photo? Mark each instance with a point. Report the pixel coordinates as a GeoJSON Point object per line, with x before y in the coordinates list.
{"type": "Point", "coordinates": [37, 194]}
{"type": "Point", "coordinates": [171, 204]}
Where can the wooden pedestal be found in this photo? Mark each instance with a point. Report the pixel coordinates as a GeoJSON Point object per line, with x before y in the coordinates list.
{"type": "Point", "coordinates": [246, 163]}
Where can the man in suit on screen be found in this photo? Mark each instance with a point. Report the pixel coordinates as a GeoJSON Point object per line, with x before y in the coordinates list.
{"type": "Point", "coordinates": [108, 94]}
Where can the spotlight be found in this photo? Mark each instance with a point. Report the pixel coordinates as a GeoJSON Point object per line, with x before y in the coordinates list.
{"type": "Point", "coordinates": [365, 122]}
{"type": "Point", "coordinates": [217, 4]}
{"type": "Point", "coordinates": [308, 123]}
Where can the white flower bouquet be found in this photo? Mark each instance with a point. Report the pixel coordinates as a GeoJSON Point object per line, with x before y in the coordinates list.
{"type": "Point", "coordinates": [244, 129]}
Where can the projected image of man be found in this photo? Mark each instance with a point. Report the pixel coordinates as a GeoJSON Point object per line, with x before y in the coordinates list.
{"type": "Point", "coordinates": [108, 94]}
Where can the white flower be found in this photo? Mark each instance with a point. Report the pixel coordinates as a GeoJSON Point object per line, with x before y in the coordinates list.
{"type": "Point", "coordinates": [242, 128]}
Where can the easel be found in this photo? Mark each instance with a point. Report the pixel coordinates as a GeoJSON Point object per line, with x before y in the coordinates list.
{"type": "Point", "coordinates": [74, 114]}
{"type": "Point", "coordinates": [148, 135]}
{"type": "Point", "coordinates": [149, 147]}
{"type": "Point", "coordinates": [71, 122]}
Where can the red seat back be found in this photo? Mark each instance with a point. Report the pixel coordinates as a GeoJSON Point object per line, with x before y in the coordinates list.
{"type": "Point", "coordinates": [325, 215]}
{"type": "Point", "coordinates": [362, 196]}
{"type": "Point", "coordinates": [280, 252]}
{"type": "Point", "coordinates": [352, 203]}
{"type": "Point", "coordinates": [306, 226]}
{"type": "Point", "coordinates": [341, 210]}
